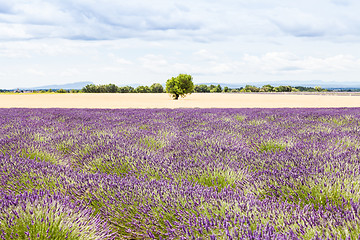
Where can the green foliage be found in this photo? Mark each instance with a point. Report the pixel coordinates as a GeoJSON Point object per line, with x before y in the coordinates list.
{"type": "Point", "coordinates": [214, 88]}
{"type": "Point", "coordinates": [126, 89]}
{"type": "Point", "coordinates": [142, 89]}
{"type": "Point", "coordinates": [310, 89]}
{"type": "Point", "coordinates": [121, 167]}
{"type": "Point", "coordinates": [250, 88]}
{"type": "Point", "coordinates": [48, 221]}
{"type": "Point", "coordinates": [156, 88]}
{"type": "Point", "coordinates": [270, 88]}
{"type": "Point", "coordinates": [271, 146]}
{"type": "Point", "coordinates": [180, 86]}
{"type": "Point", "coordinates": [240, 118]}
{"type": "Point", "coordinates": [305, 89]}
{"type": "Point", "coordinates": [236, 90]}
{"type": "Point", "coordinates": [216, 179]}
{"type": "Point", "coordinates": [92, 88]}
{"type": "Point", "coordinates": [267, 88]}
{"type": "Point", "coordinates": [61, 91]}
{"type": "Point", "coordinates": [39, 155]}
{"type": "Point", "coordinates": [202, 88]}
{"type": "Point", "coordinates": [318, 88]}
{"type": "Point", "coordinates": [150, 142]}
{"type": "Point", "coordinates": [283, 89]}
{"type": "Point", "coordinates": [111, 88]}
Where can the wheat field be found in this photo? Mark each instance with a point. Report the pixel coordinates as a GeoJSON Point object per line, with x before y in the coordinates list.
{"type": "Point", "coordinates": [163, 100]}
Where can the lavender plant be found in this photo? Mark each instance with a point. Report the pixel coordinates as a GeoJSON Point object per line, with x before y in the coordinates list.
{"type": "Point", "coordinates": [180, 173]}
{"type": "Point", "coordinates": [39, 215]}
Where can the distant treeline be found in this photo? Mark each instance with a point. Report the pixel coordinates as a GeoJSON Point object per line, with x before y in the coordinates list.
{"type": "Point", "coordinates": [112, 88]}
{"type": "Point", "coordinates": [269, 88]}
{"type": "Point", "coordinates": [202, 88]}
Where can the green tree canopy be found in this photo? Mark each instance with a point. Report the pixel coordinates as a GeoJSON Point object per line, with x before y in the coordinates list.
{"type": "Point", "coordinates": [111, 88]}
{"type": "Point", "coordinates": [180, 86]}
{"type": "Point", "coordinates": [126, 89]}
{"type": "Point", "coordinates": [90, 88]}
{"type": "Point", "coordinates": [267, 88]}
{"type": "Point", "coordinates": [283, 89]}
{"type": "Point", "coordinates": [214, 88]}
{"type": "Point", "coordinates": [250, 88]}
{"type": "Point", "coordinates": [142, 89]}
{"type": "Point", "coordinates": [61, 91]}
{"type": "Point", "coordinates": [318, 88]}
{"type": "Point", "coordinates": [201, 88]}
{"type": "Point", "coordinates": [156, 88]}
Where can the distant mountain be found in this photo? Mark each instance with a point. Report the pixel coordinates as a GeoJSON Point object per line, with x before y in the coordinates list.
{"type": "Point", "coordinates": [69, 86]}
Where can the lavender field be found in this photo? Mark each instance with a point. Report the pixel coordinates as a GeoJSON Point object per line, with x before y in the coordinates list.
{"type": "Point", "coordinates": [180, 174]}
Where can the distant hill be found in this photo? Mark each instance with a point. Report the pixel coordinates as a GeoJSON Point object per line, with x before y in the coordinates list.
{"type": "Point", "coordinates": [69, 86]}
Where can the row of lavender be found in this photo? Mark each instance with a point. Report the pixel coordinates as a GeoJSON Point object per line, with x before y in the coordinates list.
{"type": "Point", "coordinates": [180, 174]}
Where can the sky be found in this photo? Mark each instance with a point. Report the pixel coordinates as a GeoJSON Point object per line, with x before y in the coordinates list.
{"type": "Point", "coordinates": [45, 42]}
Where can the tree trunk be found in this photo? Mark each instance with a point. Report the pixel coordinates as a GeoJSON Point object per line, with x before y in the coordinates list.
{"type": "Point", "coordinates": [176, 97]}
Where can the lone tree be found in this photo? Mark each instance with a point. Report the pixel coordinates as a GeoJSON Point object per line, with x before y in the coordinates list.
{"type": "Point", "coordinates": [180, 86]}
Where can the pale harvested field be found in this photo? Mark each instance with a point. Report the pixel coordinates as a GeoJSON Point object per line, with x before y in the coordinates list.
{"type": "Point", "coordinates": [163, 100]}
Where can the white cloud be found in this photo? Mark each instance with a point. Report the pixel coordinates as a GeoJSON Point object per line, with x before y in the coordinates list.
{"type": "Point", "coordinates": [285, 62]}
{"type": "Point", "coordinates": [155, 63]}
{"type": "Point", "coordinates": [320, 19]}
{"type": "Point", "coordinates": [341, 2]}
{"type": "Point", "coordinates": [299, 23]}
{"type": "Point", "coordinates": [132, 41]}
{"type": "Point", "coordinates": [162, 65]}
{"type": "Point", "coordinates": [36, 72]}
{"type": "Point", "coordinates": [205, 55]}
{"type": "Point", "coordinates": [43, 47]}
{"type": "Point", "coordinates": [71, 72]}
{"type": "Point", "coordinates": [91, 20]}
{"type": "Point", "coordinates": [13, 31]}
{"type": "Point", "coordinates": [40, 13]}
{"type": "Point", "coordinates": [201, 21]}
{"type": "Point", "coordinates": [123, 61]}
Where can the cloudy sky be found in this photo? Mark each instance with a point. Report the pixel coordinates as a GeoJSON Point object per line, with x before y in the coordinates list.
{"type": "Point", "coordinates": [45, 42]}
